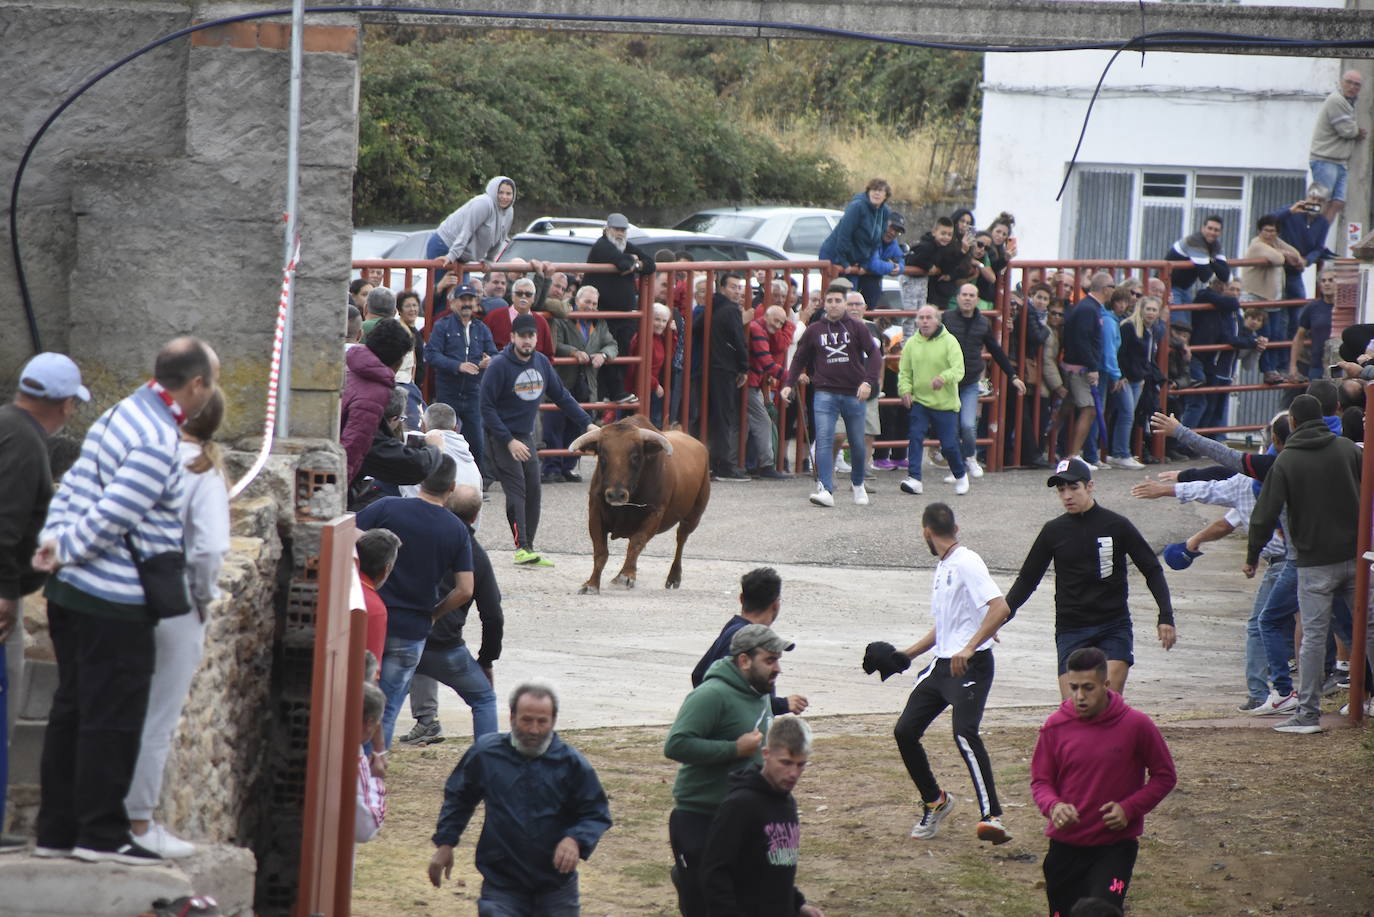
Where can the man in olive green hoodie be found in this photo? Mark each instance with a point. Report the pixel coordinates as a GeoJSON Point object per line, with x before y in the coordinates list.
{"type": "Point", "coordinates": [720, 726]}
{"type": "Point", "coordinates": [928, 381]}
{"type": "Point", "coordinates": [1317, 476]}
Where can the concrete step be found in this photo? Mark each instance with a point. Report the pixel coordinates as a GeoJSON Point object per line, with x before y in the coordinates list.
{"type": "Point", "coordinates": [26, 750]}
{"type": "Point", "coordinates": [36, 690]}
{"type": "Point", "coordinates": [32, 887]}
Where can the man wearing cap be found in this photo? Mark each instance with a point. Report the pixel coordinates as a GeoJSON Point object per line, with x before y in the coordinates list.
{"type": "Point", "coordinates": [619, 293]}
{"type": "Point", "coordinates": [1089, 545]}
{"type": "Point", "coordinates": [968, 609]}
{"type": "Point", "coordinates": [459, 350]}
{"type": "Point", "coordinates": [887, 260]}
{"type": "Point", "coordinates": [123, 494]}
{"type": "Point", "coordinates": [719, 726]}
{"type": "Point", "coordinates": [49, 388]}
{"type": "Point", "coordinates": [512, 390]}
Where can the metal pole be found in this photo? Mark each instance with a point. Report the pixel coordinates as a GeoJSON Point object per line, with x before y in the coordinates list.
{"type": "Point", "coordinates": [293, 132]}
{"type": "Point", "coordinates": [1360, 613]}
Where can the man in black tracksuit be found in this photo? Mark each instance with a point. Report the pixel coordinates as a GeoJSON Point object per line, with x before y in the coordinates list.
{"type": "Point", "coordinates": [1089, 546]}
{"type": "Point", "coordinates": [749, 865]}
{"type": "Point", "coordinates": [729, 371]}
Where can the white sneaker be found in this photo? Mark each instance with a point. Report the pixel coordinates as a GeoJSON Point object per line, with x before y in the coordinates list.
{"type": "Point", "coordinates": [973, 467]}
{"type": "Point", "coordinates": [164, 843]}
{"type": "Point", "coordinates": [1275, 705]}
{"type": "Point", "coordinates": [860, 495]}
{"type": "Point", "coordinates": [841, 466]}
{"type": "Point", "coordinates": [822, 497]}
{"type": "Point", "coordinates": [1091, 466]}
{"type": "Point", "coordinates": [911, 486]}
{"type": "Point", "coordinates": [1128, 462]}
{"type": "Point", "coordinates": [931, 816]}
{"type": "Point", "coordinates": [1368, 708]}
{"type": "Point", "coordinates": [961, 485]}
{"type": "Point", "coordinates": [949, 478]}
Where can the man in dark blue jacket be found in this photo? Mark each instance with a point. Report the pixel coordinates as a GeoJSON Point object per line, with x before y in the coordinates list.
{"type": "Point", "coordinates": [760, 600]}
{"type": "Point", "coordinates": [1303, 227]}
{"type": "Point", "coordinates": [513, 387]}
{"type": "Point", "coordinates": [1080, 350]}
{"type": "Point", "coordinates": [458, 351]}
{"type": "Point", "coordinates": [545, 810]}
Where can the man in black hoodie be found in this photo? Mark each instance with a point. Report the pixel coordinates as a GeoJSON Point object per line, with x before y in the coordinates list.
{"type": "Point", "coordinates": [729, 372]}
{"type": "Point", "coordinates": [1317, 477]}
{"type": "Point", "coordinates": [749, 867]}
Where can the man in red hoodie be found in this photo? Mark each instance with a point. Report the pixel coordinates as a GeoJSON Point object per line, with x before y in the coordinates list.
{"type": "Point", "coordinates": [1089, 778]}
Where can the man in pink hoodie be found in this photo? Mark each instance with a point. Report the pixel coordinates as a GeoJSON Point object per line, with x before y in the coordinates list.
{"type": "Point", "coordinates": [1089, 778]}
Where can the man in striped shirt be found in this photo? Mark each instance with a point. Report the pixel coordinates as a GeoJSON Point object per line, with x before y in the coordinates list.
{"type": "Point", "coordinates": [127, 483]}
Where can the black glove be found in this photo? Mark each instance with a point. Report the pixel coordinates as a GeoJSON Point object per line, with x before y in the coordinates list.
{"type": "Point", "coordinates": [885, 659]}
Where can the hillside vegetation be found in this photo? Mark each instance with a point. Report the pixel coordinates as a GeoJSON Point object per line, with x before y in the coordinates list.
{"type": "Point", "coordinates": [645, 121]}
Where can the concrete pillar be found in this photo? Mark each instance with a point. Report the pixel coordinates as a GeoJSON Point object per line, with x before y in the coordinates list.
{"type": "Point", "coordinates": [1359, 202]}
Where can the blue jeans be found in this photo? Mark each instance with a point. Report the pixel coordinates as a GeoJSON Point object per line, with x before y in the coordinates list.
{"type": "Point", "coordinates": [521, 902]}
{"type": "Point", "coordinates": [830, 407]}
{"type": "Point", "coordinates": [1276, 621]}
{"type": "Point", "coordinates": [399, 660]}
{"type": "Point", "coordinates": [1331, 174]}
{"type": "Point", "coordinates": [1257, 674]}
{"type": "Point", "coordinates": [1277, 327]}
{"type": "Point", "coordinates": [456, 668]}
{"type": "Point", "coordinates": [946, 425]}
{"type": "Point", "coordinates": [968, 420]}
{"type": "Point", "coordinates": [1123, 402]}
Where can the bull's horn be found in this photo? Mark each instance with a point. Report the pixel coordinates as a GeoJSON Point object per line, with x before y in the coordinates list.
{"type": "Point", "coordinates": [586, 439]}
{"type": "Point", "coordinates": [649, 436]}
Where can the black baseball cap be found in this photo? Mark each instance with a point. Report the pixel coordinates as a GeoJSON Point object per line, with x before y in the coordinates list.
{"type": "Point", "coordinates": [1068, 471]}
{"type": "Point", "coordinates": [524, 324]}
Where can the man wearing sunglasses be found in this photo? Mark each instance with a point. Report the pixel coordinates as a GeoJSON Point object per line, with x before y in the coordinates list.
{"type": "Point", "coordinates": [498, 321]}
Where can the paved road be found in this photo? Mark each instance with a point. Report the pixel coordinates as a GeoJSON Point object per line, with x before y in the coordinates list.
{"type": "Point", "coordinates": [850, 575]}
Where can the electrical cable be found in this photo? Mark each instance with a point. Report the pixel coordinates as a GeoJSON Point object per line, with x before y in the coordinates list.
{"type": "Point", "coordinates": [1199, 40]}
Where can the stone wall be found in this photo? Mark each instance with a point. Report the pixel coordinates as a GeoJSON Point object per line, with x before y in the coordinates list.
{"type": "Point", "coordinates": [153, 207]}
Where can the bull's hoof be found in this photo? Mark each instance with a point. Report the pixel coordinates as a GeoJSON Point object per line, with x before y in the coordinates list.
{"type": "Point", "coordinates": [622, 580]}
{"type": "Point", "coordinates": [589, 589]}
{"type": "Point", "coordinates": [672, 583]}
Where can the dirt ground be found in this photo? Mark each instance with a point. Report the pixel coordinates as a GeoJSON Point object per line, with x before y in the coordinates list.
{"type": "Point", "coordinates": [1260, 823]}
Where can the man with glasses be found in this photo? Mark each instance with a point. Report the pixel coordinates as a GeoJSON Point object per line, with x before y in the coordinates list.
{"type": "Point", "coordinates": [498, 321]}
{"type": "Point", "coordinates": [1334, 137]}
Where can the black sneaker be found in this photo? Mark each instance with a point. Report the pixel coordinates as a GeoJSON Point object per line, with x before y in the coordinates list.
{"type": "Point", "coordinates": [131, 854]}
{"type": "Point", "coordinates": [572, 477]}
{"type": "Point", "coordinates": [734, 475]}
{"type": "Point", "coordinates": [772, 474]}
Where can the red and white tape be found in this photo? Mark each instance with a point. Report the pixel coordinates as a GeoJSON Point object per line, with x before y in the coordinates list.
{"type": "Point", "coordinates": [269, 423]}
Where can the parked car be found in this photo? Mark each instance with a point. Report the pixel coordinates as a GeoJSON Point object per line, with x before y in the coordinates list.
{"type": "Point", "coordinates": [797, 232]}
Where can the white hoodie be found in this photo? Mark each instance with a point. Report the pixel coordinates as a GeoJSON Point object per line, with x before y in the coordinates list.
{"type": "Point", "coordinates": [468, 472]}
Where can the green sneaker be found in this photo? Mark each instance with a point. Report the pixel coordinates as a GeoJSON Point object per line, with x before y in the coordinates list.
{"type": "Point", "coordinates": [531, 558]}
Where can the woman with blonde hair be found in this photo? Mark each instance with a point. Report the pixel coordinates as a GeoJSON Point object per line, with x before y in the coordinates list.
{"type": "Point", "coordinates": [179, 641]}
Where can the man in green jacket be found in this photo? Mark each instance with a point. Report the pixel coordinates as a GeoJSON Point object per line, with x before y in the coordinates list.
{"type": "Point", "coordinates": [719, 726]}
{"type": "Point", "coordinates": [928, 380]}
{"type": "Point", "coordinates": [1317, 476]}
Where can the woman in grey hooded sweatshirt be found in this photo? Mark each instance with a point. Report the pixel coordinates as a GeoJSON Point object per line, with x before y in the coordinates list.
{"type": "Point", "coordinates": [477, 230]}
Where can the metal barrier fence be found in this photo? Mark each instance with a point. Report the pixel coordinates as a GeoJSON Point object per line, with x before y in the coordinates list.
{"type": "Point", "coordinates": [694, 398]}
{"type": "Point", "coordinates": [325, 884]}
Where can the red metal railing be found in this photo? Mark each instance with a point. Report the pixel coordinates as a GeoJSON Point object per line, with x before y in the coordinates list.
{"type": "Point", "coordinates": [999, 425]}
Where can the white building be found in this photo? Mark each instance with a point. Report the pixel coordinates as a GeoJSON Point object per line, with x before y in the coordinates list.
{"type": "Point", "coordinates": [1169, 141]}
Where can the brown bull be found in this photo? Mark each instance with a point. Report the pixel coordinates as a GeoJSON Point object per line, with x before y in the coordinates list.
{"type": "Point", "coordinates": [645, 483]}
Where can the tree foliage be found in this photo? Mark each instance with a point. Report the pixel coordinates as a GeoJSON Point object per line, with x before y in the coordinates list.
{"type": "Point", "coordinates": [647, 121]}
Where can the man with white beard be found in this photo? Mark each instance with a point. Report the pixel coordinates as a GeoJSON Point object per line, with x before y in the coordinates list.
{"type": "Point", "coordinates": [619, 293]}
{"type": "Point", "coordinates": [545, 810]}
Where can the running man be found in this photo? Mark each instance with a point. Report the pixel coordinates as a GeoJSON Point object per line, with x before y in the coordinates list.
{"type": "Point", "coordinates": [1088, 777]}
{"type": "Point", "coordinates": [968, 609]}
{"type": "Point", "coordinates": [1089, 545]}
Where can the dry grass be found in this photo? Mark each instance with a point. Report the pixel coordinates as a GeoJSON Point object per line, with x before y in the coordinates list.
{"type": "Point", "coordinates": [866, 151]}
{"type": "Point", "coordinates": [1260, 823]}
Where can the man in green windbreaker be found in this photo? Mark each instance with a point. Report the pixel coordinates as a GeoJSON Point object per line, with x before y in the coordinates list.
{"type": "Point", "coordinates": [720, 726]}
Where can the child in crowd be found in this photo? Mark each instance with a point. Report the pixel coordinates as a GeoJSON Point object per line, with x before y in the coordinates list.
{"type": "Point", "coordinates": [662, 346]}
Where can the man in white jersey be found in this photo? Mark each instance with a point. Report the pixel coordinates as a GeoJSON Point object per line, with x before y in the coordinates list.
{"type": "Point", "coordinates": [968, 609]}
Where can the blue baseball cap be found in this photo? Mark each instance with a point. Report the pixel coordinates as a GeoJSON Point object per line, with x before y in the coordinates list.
{"type": "Point", "coordinates": [53, 376]}
{"type": "Point", "coordinates": [463, 289]}
{"type": "Point", "coordinates": [1178, 557]}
